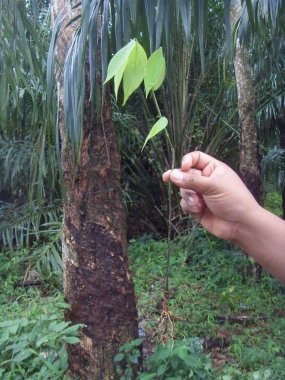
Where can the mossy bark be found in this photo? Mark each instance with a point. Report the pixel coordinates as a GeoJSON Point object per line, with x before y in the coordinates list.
{"type": "Point", "coordinates": [97, 282]}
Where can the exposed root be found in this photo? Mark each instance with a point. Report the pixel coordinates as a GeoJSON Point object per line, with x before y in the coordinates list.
{"type": "Point", "coordinates": [167, 327]}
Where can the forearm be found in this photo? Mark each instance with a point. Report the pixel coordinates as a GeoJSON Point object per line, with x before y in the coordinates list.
{"type": "Point", "coordinates": [262, 236]}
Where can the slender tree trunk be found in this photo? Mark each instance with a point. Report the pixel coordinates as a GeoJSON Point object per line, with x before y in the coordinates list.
{"type": "Point", "coordinates": [249, 158]}
{"type": "Point", "coordinates": [97, 283]}
{"type": "Point", "coordinates": [281, 126]}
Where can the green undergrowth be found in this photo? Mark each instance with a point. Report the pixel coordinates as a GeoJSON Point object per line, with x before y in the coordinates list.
{"type": "Point", "coordinates": [208, 280]}
{"type": "Point", "coordinates": [32, 328]}
{"type": "Point", "coordinates": [273, 203]}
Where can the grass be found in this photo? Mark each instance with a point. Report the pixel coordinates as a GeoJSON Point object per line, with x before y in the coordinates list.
{"type": "Point", "coordinates": [208, 277]}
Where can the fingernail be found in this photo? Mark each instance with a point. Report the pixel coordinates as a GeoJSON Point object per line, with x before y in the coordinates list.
{"type": "Point", "coordinates": [196, 208]}
{"type": "Point", "coordinates": [191, 200]}
{"type": "Point", "coordinates": [177, 176]}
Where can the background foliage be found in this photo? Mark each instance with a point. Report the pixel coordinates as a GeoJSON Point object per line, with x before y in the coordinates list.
{"type": "Point", "coordinates": [198, 97]}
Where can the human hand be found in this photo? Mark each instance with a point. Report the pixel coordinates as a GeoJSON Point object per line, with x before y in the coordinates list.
{"type": "Point", "coordinates": [213, 193]}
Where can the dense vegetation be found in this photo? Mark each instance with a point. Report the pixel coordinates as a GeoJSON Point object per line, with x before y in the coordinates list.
{"type": "Point", "coordinates": [210, 281]}
{"type": "Point", "coordinates": [208, 286]}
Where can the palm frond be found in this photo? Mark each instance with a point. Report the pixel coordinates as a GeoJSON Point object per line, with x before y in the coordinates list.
{"type": "Point", "coordinates": [273, 167]}
{"type": "Point", "coordinates": [261, 16]}
{"type": "Point", "coordinates": [21, 225]}
{"type": "Point", "coordinates": [46, 258]}
{"type": "Point", "coordinates": [24, 113]}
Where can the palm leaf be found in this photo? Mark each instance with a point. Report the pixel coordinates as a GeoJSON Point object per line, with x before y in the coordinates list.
{"type": "Point", "coordinates": [273, 167]}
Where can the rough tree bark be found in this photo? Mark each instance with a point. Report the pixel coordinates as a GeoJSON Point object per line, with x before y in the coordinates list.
{"type": "Point", "coordinates": [97, 282]}
{"type": "Point", "coordinates": [249, 158]}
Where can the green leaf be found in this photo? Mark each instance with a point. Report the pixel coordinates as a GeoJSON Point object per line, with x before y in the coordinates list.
{"type": "Point", "coordinates": [23, 321]}
{"type": "Point", "coordinates": [162, 353]}
{"type": "Point", "coordinates": [4, 336]}
{"type": "Point", "coordinates": [61, 326]}
{"type": "Point", "coordinates": [154, 72]}
{"type": "Point", "coordinates": [137, 342]}
{"type": "Point", "coordinates": [22, 356]}
{"type": "Point", "coordinates": [72, 329]}
{"type": "Point", "coordinates": [13, 329]}
{"type": "Point", "coordinates": [148, 376]}
{"type": "Point", "coordinates": [16, 347]}
{"type": "Point", "coordinates": [118, 78]}
{"type": "Point", "coordinates": [52, 326]}
{"type": "Point", "coordinates": [250, 12]}
{"type": "Point", "coordinates": [119, 60]}
{"type": "Point", "coordinates": [193, 361]}
{"type": "Point", "coordinates": [158, 126]}
{"type": "Point", "coordinates": [71, 339]}
{"type": "Point", "coordinates": [63, 356]}
{"type": "Point", "coordinates": [133, 358]}
{"type": "Point", "coordinates": [11, 326]}
{"type": "Point", "coordinates": [182, 354]}
{"type": "Point", "coordinates": [64, 305]}
{"type": "Point", "coordinates": [50, 366]}
{"type": "Point", "coordinates": [134, 71]}
{"type": "Point", "coordinates": [45, 339]}
{"type": "Point", "coordinates": [174, 362]}
{"type": "Point", "coordinates": [161, 369]}
{"type": "Point", "coordinates": [119, 357]}
{"type": "Point", "coordinates": [22, 372]}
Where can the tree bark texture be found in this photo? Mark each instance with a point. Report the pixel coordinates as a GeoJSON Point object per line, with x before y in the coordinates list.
{"type": "Point", "coordinates": [97, 282]}
{"type": "Point", "coordinates": [249, 157]}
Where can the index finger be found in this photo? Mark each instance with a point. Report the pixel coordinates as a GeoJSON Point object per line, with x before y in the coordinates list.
{"type": "Point", "coordinates": [199, 160]}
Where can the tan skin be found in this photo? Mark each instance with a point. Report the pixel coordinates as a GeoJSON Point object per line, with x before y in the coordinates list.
{"type": "Point", "coordinates": [217, 197]}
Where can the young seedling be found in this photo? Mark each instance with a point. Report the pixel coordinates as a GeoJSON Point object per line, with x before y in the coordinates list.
{"type": "Point", "coordinates": [131, 65]}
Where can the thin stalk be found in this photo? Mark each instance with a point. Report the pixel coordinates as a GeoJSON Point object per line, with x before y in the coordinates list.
{"type": "Point", "coordinates": [169, 224]}
{"type": "Point", "coordinates": [166, 293]}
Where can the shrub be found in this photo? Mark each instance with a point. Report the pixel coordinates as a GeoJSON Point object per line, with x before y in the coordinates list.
{"type": "Point", "coordinates": [32, 343]}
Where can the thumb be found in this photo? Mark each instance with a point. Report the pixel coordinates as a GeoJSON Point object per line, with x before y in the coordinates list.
{"type": "Point", "coordinates": [191, 181]}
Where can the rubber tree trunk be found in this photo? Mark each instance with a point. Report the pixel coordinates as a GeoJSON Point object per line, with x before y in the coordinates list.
{"type": "Point", "coordinates": [249, 158]}
{"type": "Point", "coordinates": [97, 282]}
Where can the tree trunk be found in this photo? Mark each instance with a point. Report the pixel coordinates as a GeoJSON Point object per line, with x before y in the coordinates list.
{"type": "Point", "coordinates": [249, 158]}
{"type": "Point", "coordinates": [97, 283]}
{"type": "Point", "coordinates": [281, 125]}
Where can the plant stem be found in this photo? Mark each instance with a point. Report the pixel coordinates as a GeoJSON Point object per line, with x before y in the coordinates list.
{"type": "Point", "coordinates": [166, 293]}
{"type": "Point", "coordinates": [156, 104]}
{"type": "Point", "coordinates": [169, 222]}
